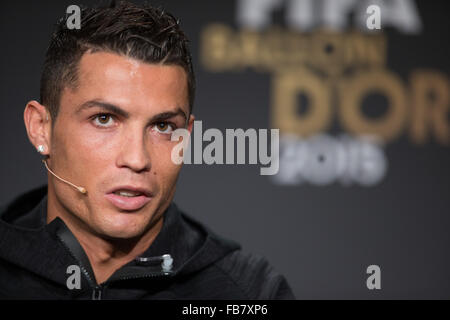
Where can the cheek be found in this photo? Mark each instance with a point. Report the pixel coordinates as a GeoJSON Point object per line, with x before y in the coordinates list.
{"type": "Point", "coordinates": [162, 166]}
{"type": "Point", "coordinates": [92, 139]}
{"type": "Point", "coordinates": [95, 145]}
{"type": "Point", "coordinates": [88, 156]}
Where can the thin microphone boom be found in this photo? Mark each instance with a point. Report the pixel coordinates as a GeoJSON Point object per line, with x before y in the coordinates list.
{"type": "Point", "coordinates": [81, 189]}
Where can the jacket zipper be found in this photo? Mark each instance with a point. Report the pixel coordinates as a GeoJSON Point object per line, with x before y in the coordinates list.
{"type": "Point", "coordinates": [97, 293]}
{"type": "Point", "coordinates": [149, 275]}
{"type": "Point", "coordinates": [98, 289]}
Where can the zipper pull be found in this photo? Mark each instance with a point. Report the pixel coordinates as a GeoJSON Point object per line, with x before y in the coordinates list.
{"type": "Point", "coordinates": [97, 293]}
{"type": "Point", "coordinates": [165, 262]}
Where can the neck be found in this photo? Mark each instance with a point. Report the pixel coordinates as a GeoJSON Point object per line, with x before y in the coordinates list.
{"type": "Point", "coordinates": [108, 255]}
{"type": "Point", "coordinates": [105, 255]}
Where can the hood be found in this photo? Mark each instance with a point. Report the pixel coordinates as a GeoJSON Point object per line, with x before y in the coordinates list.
{"type": "Point", "coordinates": [27, 242]}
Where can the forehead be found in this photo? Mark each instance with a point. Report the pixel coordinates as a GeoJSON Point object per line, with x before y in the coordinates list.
{"type": "Point", "coordinates": [128, 82]}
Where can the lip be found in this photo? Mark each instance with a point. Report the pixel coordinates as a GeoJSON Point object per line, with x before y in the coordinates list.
{"type": "Point", "coordinates": [129, 203]}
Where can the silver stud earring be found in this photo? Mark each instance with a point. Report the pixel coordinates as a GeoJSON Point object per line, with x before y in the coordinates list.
{"type": "Point", "coordinates": [40, 148]}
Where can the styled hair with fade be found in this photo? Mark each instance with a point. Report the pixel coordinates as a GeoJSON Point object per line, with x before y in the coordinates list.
{"type": "Point", "coordinates": [141, 32]}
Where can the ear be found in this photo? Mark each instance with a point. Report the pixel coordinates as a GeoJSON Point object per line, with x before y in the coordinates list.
{"type": "Point", "coordinates": [38, 124]}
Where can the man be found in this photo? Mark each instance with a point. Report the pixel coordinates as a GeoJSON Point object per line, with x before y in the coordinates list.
{"type": "Point", "coordinates": [105, 227]}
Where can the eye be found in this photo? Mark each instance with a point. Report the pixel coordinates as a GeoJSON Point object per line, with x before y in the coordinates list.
{"type": "Point", "coordinates": [163, 127]}
{"type": "Point", "coordinates": [103, 120]}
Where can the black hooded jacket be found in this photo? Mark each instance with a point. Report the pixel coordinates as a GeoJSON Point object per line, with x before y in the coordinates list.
{"type": "Point", "coordinates": [35, 258]}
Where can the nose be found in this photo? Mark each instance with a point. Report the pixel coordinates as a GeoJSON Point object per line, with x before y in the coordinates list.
{"type": "Point", "coordinates": [134, 153]}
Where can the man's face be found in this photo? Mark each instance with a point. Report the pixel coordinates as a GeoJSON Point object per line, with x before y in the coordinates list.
{"type": "Point", "coordinates": [113, 132]}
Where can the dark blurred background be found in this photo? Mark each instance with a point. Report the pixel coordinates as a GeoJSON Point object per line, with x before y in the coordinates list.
{"type": "Point", "coordinates": [341, 201]}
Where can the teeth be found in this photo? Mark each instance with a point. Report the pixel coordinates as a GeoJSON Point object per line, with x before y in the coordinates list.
{"type": "Point", "coordinates": [127, 193]}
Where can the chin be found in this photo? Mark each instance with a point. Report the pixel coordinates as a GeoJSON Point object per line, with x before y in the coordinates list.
{"type": "Point", "coordinates": [123, 226]}
{"type": "Point", "coordinates": [120, 233]}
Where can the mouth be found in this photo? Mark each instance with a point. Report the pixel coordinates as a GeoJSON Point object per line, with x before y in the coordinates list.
{"type": "Point", "coordinates": [129, 198]}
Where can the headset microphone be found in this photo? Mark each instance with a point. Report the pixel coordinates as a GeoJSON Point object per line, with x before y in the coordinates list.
{"type": "Point", "coordinates": [81, 189]}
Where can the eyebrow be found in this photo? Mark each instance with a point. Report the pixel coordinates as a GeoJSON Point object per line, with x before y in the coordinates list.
{"type": "Point", "coordinates": [119, 111]}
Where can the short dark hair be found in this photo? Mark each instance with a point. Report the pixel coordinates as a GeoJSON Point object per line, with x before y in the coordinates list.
{"type": "Point", "coordinates": [141, 32]}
